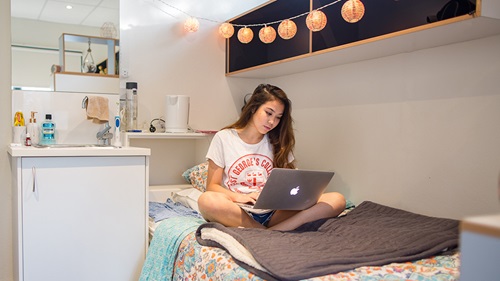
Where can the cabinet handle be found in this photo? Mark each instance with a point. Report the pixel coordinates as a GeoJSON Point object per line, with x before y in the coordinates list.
{"type": "Point", "coordinates": [33, 172]}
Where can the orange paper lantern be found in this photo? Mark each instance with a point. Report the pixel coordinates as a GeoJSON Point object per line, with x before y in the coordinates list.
{"type": "Point", "coordinates": [353, 11]}
{"type": "Point", "coordinates": [191, 25]}
{"type": "Point", "coordinates": [267, 34]}
{"type": "Point", "coordinates": [226, 30]}
{"type": "Point", "coordinates": [287, 29]}
{"type": "Point", "coordinates": [245, 35]}
{"type": "Point", "coordinates": [316, 20]}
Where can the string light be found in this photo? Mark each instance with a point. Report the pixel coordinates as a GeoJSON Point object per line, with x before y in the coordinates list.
{"type": "Point", "coordinates": [287, 29]}
{"type": "Point", "coordinates": [245, 35]}
{"type": "Point", "coordinates": [316, 20]}
{"type": "Point", "coordinates": [267, 34]}
{"type": "Point", "coordinates": [353, 11]}
{"type": "Point", "coordinates": [191, 24]}
{"type": "Point", "coordinates": [226, 30]}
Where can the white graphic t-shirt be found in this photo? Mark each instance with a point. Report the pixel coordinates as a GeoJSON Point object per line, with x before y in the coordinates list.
{"type": "Point", "coordinates": [246, 166]}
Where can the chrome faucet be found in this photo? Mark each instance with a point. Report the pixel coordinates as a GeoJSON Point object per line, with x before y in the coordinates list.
{"type": "Point", "coordinates": [104, 135]}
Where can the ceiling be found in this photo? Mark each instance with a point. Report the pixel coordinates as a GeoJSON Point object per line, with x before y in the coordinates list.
{"type": "Point", "coordinates": [84, 12]}
{"type": "Point", "coordinates": [96, 12]}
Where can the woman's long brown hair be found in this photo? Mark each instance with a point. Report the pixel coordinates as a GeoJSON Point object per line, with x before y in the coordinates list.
{"type": "Point", "coordinates": [282, 137]}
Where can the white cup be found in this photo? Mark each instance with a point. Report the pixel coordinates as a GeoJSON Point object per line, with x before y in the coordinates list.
{"type": "Point", "coordinates": [18, 134]}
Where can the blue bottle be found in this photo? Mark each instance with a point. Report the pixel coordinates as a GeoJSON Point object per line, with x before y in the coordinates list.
{"type": "Point", "coordinates": [48, 130]}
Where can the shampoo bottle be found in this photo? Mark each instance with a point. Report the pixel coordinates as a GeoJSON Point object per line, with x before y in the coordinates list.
{"type": "Point", "coordinates": [33, 128]}
{"type": "Point", "coordinates": [48, 130]}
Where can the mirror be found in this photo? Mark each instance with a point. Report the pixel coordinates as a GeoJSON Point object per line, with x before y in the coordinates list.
{"type": "Point", "coordinates": [36, 30]}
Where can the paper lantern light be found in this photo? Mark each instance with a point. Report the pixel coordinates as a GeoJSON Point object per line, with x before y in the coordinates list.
{"type": "Point", "coordinates": [316, 20]}
{"type": "Point", "coordinates": [245, 35]}
{"type": "Point", "coordinates": [191, 25]}
{"type": "Point", "coordinates": [353, 11]}
{"type": "Point", "coordinates": [226, 30]}
{"type": "Point", "coordinates": [287, 29]}
{"type": "Point", "coordinates": [267, 34]}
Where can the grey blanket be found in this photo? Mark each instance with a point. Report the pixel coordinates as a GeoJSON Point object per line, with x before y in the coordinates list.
{"type": "Point", "coordinates": [371, 234]}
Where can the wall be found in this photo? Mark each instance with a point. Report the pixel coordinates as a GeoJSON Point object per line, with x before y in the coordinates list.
{"type": "Point", "coordinates": [5, 138]}
{"type": "Point", "coordinates": [164, 60]}
{"type": "Point", "coordinates": [417, 130]}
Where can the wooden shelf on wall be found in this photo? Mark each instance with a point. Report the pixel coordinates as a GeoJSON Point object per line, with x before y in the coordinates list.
{"type": "Point", "coordinates": [483, 23]}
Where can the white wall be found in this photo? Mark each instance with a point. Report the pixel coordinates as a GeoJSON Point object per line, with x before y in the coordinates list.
{"type": "Point", "coordinates": [165, 60]}
{"type": "Point", "coordinates": [417, 131]}
{"type": "Point", "coordinates": [5, 139]}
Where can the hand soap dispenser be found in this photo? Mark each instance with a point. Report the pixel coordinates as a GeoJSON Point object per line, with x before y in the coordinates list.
{"type": "Point", "coordinates": [33, 129]}
{"type": "Point", "coordinates": [48, 130]}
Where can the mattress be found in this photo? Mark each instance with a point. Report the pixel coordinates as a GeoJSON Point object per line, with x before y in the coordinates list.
{"type": "Point", "coordinates": [192, 261]}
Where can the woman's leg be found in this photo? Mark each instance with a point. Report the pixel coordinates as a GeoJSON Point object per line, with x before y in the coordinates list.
{"type": "Point", "coordinates": [218, 207]}
{"type": "Point", "coordinates": [329, 205]}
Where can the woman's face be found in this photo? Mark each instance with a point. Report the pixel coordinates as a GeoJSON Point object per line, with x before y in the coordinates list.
{"type": "Point", "coordinates": [268, 116]}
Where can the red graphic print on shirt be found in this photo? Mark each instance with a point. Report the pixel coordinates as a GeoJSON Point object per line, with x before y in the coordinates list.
{"type": "Point", "coordinates": [249, 173]}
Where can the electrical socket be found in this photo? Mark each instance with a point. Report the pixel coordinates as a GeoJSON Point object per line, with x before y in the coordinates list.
{"type": "Point", "coordinates": [124, 73]}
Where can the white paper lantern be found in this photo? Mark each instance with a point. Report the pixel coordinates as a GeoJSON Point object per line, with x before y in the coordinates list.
{"type": "Point", "coordinates": [353, 11]}
{"type": "Point", "coordinates": [245, 35]}
{"type": "Point", "coordinates": [191, 24]}
{"type": "Point", "coordinates": [226, 30]}
{"type": "Point", "coordinates": [267, 34]}
{"type": "Point", "coordinates": [287, 29]}
{"type": "Point", "coordinates": [316, 20]}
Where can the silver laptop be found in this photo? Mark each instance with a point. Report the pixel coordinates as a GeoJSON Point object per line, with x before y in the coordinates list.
{"type": "Point", "coordinates": [290, 189]}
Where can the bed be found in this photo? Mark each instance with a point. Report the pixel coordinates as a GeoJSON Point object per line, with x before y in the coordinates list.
{"type": "Point", "coordinates": [185, 247]}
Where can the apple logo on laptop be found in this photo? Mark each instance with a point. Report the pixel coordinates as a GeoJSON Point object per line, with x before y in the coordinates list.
{"type": "Point", "coordinates": [294, 191]}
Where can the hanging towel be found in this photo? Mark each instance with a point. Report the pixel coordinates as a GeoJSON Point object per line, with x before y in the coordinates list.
{"type": "Point", "coordinates": [98, 109]}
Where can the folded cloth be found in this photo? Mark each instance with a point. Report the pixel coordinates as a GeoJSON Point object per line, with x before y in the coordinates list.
{"type": "Point", "coordinates": [98, 109]}
{"type": "Point", "coordinates": [160, 211]}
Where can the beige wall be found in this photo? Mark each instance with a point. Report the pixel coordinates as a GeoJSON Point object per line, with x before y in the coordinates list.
{"type": "Point", "coordinates": [5, 127]}
{"type": "Point", "coordinates": [418, 131]}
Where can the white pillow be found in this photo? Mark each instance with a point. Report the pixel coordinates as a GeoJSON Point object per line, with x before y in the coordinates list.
{"type": "Point", "coordinates": [187, 197]}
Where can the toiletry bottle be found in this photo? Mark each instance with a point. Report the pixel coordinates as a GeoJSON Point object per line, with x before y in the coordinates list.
{"type": "Point", "coordinates": [123, 111]}
{"type": "Point", "coordinates": [48, 130]}
{"type": "Point", "coordinates": [27, 142]}
{"type": "Point", "coordinates": [33, 128]}
{"type": "Point", "coordinates": [18, 129]}
{"type": "Point", "coordinates": [131, 106]}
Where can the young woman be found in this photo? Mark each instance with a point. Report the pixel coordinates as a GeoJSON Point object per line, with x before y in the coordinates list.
{"type": "Point", "coordinates": [241, 157]}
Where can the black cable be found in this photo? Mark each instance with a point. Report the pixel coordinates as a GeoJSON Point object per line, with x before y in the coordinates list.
{"type": "Point", "coordinates": [152, 128]}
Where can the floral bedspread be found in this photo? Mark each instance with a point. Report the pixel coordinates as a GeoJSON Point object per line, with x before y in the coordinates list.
{"type": "Point", "coordinates": [195, 262]}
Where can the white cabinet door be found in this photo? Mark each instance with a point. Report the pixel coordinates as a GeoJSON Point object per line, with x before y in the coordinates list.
{"type": "Point", "coordinates": [83, 218]}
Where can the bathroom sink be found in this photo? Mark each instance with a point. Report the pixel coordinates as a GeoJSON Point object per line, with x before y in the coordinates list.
{"type": "Point", "coordinates": [73, 146]}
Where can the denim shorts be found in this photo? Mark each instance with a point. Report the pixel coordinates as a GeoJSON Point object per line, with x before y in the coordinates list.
{"type": "Point", "coordinates": [262, 218]}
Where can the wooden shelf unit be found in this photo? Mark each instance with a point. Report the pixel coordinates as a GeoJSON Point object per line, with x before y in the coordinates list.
{"type": "Point", "coordinates": [304, 53]}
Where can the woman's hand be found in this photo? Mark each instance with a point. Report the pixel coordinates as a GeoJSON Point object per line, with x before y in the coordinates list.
{"type": "Point", "coordinates": [248, 198]}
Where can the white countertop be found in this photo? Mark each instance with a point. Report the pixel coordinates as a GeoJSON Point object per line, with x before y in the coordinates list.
{"type": "Point", "coordinates": [23, 151]}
